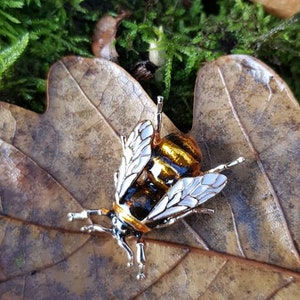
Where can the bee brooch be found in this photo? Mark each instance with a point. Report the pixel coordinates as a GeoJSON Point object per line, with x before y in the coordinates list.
{"type": "Point", "coordinates": [159, 182]}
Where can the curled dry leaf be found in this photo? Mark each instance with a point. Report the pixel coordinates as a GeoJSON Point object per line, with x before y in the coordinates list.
{"type": "Point", "coordinates": [64, 160]}
{"type": "Point", "coordinates": [103, 41]}
{"type": "Point", "coordinates": [281, 8]}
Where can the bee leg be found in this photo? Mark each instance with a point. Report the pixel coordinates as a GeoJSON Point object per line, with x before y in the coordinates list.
{"type": "Point", "coordinates": [157, 138]}
{"type": "Point", "coordinates": [196, 210]}
{"type": "Point", "coordinates": [95, 227]}
{"type": "Point", "coordinates": [223, 167]}
{"type": "Point", "coordinates": [199, 210]}
{"type": "Point", "coordinates": [140, 258]}
{"type": "Point", "coordinates": [160, 102]}
{"type": "Point", "coordinates": [122, 243]}
{"type": "Point", "coordinates": [86, 213]}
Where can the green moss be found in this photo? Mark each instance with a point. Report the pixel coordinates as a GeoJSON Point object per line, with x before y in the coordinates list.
{"type": "Point", "coordinates": [37, 33]}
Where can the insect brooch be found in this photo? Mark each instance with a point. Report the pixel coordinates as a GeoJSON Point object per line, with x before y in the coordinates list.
{"type": "Point", "coordinates": [159, 182]}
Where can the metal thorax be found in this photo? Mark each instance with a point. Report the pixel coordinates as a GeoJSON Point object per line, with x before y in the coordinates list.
{"type": "Point", "coordinates": [159, 181]}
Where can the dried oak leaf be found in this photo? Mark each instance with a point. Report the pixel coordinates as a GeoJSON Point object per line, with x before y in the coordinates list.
{"type": "Point", "coordinates": [280, 8]}
{"type": "Point", "coordinates": [103, 41]}
{"type": "Point", "coordinates": [64, 160]}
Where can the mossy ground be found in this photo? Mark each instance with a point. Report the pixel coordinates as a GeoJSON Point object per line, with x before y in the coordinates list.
{"type": "Point", "coordinates": [34, 34]}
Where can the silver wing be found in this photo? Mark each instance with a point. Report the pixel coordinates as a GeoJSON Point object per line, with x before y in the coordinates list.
{"type": "Point", "coordinates": [186, 194]}
{"type": "Point", "coordinates": [136, 154]}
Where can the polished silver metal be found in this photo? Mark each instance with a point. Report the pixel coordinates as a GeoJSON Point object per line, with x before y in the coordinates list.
{"type": "Point", "coordinates": [84, 214]}
{"type": "Point", "coordinates": [224, 167]}
{"type": "Point", "coordinates": [160, 103]}
{"type": "Point", "coordinates": [141, 259]}
{"type": "Point", "coordinates": [171, 220]}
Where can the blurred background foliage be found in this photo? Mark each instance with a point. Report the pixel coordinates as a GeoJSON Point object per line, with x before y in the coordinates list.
{"type": "Point", "coordinates": [35, 33]}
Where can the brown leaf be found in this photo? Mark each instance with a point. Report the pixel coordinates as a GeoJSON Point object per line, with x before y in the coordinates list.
{"type": "Point", "coordinates": [256, 116]}
{"type": "Point", "coordinates": [64, 160]}
{"type": "Point", "coordinates": [103, 45]}
{"type": "Point", "coordinates": [281, 8]}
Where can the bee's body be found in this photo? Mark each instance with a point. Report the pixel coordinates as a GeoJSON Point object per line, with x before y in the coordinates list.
{"type": "Point", "coordinates": [159, 181]}
{"type": "Point", "coordinates": [174, 157]}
